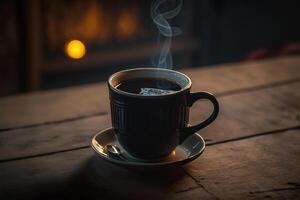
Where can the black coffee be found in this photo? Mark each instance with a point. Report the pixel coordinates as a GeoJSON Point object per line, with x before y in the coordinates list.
{"type": "Point", "coordinates": [149, 86]}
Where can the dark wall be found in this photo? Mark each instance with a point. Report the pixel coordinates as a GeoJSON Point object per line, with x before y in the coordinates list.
{"type": "Point", "coordinates": [229, 30]}
{"type": "Point", "coordinates": [9, 49]}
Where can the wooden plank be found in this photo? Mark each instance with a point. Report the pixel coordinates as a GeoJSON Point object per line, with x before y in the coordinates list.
{"type": "Point", "coordinates": [81, 175]}
{"type": "Point", "coordinates": [227, 78]}
{"type": "Point", "coordinates": [252, 112]}
{"type": "Point", "coordinates": [283, 193]}
{"type": "Point", "coordinates": [240, 115]}
{"type": "Point", "coordinates": [54, 105]}
{"type": "Point", "coordinates": [76, 102]}
{"type": "Point", "coordinates": [193, 194]}
{"type": "Point", "coordinates": [50, 138]}
{"type": "Point", "coordinates": [256, 167]}
{"type": "Point", "coordinates": [262, 167]}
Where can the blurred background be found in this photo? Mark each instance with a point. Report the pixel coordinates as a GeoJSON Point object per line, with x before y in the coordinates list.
{"type": "Point", "coordinates": [48, 44]}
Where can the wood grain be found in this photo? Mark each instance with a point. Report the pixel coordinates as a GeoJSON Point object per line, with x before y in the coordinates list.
{"type": "Point", "coordinates": [79, 102]}
{"type": "Point", "coordinates": [81, 175]}
{"type": "Point", "coordinates": [251, 168]}
{"type": "Point", "coordinates": [261, 167]}
{"type": "Point", "coordinates": [240, 115]}
{"type": "Point", "coordinates": [253, 112]}
{"type": "Point", "coordinates": [53, 106]}
{"type": "Point", "coordinates": [236, 77]}
{"type": "Point", "coordinates": [50, 138]}
{"type": "Point", "coordinates": [252, 153]}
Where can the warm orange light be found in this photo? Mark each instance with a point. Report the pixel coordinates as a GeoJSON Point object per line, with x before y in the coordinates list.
{"type": "Point", "coordinates": [75, 49]}
{"type": "Point", "coordinates": [173, 153]}
{"type": "Point", "coordinates": [127, 24]}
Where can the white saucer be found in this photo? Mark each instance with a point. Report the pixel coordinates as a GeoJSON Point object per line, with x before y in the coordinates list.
{"type": "Point", "coordinates": [186, 152]}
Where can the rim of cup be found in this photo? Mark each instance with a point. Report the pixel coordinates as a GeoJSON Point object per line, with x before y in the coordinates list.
{"type": "Point", "coordinates": [171, 75]}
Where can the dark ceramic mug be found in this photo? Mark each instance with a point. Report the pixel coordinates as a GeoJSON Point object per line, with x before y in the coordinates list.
{"type": "Point", "coordinates": [150, 127]}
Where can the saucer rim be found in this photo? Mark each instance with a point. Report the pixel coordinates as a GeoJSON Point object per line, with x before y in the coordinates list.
{"type": "Point", "coordinates": [140, 163]}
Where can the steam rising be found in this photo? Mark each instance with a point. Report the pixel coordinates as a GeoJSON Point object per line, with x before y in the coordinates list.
{"type": "Point", "coordinates": [166, 31]}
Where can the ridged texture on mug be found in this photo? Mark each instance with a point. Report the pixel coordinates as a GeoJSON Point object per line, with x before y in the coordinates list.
{"type": "Point", "coordinates": [128, 117]}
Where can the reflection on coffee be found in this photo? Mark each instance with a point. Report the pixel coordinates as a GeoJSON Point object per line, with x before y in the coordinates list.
{"type": "Point", "coordinates": [149, 86]}
{"type": "Point", "coordinates": [155, 91]}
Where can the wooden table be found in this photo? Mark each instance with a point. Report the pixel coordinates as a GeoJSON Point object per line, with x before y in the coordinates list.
{"type": "Point", "coordinates": [253, 148]}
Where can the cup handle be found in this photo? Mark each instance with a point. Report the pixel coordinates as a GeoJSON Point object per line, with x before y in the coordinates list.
{"type": "Point", "coordinates": [192, 98]}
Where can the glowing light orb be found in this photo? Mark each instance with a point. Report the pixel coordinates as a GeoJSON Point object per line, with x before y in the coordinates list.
{"type": "Point", "coordinates": [75, 49]}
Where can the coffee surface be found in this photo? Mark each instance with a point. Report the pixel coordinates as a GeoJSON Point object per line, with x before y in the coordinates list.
{"type": "Point", "coordinates": [149, 86]}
